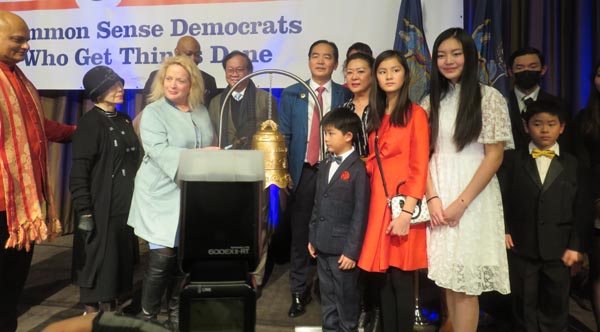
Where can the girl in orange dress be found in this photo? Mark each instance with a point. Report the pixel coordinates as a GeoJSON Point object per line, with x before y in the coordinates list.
{"type": "Point", "coordinates": [392, 246]}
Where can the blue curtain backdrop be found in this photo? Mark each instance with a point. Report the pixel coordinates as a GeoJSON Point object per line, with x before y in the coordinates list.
{"type": "Point", "coordinates": [567, 33]}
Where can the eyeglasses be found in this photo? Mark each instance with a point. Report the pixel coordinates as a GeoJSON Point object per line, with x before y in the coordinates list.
{"type": "Point", "coordinates": [239, 70]}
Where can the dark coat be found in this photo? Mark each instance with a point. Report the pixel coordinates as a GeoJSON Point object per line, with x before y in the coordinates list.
{"type": "Point", "coordinates": [91, 186]}
{"type": "Point", "coordinates": [341, 208]}
{"type": "Point", "coordinates": [261, 114]}
{"type": "Point", "coordinates": [545, 220]}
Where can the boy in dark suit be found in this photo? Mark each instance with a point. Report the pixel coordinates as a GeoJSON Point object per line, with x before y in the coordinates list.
{"type": "Point", "coordinates": [338, 222]}
{"type": "Point", "coordinates": [546, 214]}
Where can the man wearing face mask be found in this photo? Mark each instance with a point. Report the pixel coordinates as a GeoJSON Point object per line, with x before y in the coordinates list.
{"type": "Point", "coordinates": [527, 67]}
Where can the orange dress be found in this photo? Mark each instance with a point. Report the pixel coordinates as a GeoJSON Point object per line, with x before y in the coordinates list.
{"type": "Point", "coordinates": [404, 153]}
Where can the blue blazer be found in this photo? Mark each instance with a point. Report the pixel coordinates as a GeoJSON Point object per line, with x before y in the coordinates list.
{"type": "Point", "coordinates": [293, 122]}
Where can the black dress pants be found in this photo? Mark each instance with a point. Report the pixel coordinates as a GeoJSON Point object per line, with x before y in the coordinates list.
{"type": "Point", "coordinates": [340, 295]}
{"type": "Point", "coordinates": [14, 267]}
{"type": "Point", "coordinates": [398, 301]}
{"type": "Point", "coordinates": [301, 206]}
{"type": "Point", "coordinates": [540, 293]}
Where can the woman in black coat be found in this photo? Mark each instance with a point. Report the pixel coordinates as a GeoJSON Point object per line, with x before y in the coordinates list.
{"type": "Point", "coordinates": [105, 160]}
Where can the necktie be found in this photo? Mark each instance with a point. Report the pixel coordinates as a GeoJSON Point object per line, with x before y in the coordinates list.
{"type": "Point", "coordinates": [237, 96]}
{"type": "Point", "coordinates": [536, 153]}
{"type": "Point", "coordinates": [314, 141]}
{"type": "Point", "coordinates": [527, 102]}
{"type": "Point", "coordinates": [334, 158]}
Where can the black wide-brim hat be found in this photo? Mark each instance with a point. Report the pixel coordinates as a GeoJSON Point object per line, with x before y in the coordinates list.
{"type": "Point", "coordinates": [98, 80]}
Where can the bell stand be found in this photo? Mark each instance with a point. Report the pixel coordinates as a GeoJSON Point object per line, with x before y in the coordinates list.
{"type": "Point", "coordinates": [271, 72]}
{"type": "Point", "coordinates": [421, 323]}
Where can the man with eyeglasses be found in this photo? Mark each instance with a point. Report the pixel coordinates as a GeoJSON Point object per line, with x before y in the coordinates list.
{"type": "Point", "coordinates": [245, 109]}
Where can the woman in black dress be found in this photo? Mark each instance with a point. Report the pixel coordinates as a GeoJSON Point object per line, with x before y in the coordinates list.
{"type": "Point", "coordinates": [105, 160]}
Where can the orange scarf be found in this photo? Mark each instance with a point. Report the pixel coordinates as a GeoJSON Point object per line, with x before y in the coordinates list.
{"type": "Point", "coordinates": [30, 215]}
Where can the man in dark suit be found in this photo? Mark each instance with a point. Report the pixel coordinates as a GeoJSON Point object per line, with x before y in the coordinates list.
{"type": "Point", "coordinates": [299, 122]}
{"type": "Point", "coordinates": [527, 67]}
{"type": "Point", "coordinates": [548, 211]}
{"type": "Point", "coordinates": [339, 220]}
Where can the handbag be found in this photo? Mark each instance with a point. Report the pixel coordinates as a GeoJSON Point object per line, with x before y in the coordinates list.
{"type": "Point", "coordinates": [396, 202]}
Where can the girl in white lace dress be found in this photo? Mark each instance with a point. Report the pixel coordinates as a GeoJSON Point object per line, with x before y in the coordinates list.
{"type": "Point", "coordinates": [470, 128]}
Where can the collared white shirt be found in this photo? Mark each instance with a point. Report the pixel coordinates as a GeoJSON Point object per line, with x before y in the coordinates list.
{"type": "Point", "coordinates": [311, 105]}
{"type": "Point", "coordinates": [241, 93]}
{"type": "Point", "coordinates": [334, 166]}
{"type": "Point", "coordinates": [521, 97]}
{"type": "Point", "coordinates": [543, 162]}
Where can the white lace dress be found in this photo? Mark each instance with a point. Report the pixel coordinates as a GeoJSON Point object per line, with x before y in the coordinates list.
{"type": "Point", "coordinates": [471, 257]}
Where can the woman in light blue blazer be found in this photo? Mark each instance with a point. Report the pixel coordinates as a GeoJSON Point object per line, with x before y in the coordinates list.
{"type": "Point", "coordinates": [174, 120]}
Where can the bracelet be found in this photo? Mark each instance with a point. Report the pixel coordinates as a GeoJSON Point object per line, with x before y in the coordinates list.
{"type": "Point", "coordinates": [406, 211]}
{"type": "Point", "coordinates": [432, 198]}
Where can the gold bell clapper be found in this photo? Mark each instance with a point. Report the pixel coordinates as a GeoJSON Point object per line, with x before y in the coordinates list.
{"type": "Point", "coordinates": [269, 140]}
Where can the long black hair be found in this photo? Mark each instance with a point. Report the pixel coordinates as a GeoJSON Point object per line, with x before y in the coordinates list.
{"type": "Point", "coordinates": [590, 124]}
{"type": "Point", "coordinates": [378, 98]}
{"type": "Point", "coordinates": [468, 122]}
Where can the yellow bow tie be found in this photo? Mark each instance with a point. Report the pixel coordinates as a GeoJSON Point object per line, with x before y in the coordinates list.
{"type": "Point", "coordinates": [537, 153]}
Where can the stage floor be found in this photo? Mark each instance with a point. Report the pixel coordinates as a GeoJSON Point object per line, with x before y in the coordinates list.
{"type": "Point", "coordinates": [49, 297]}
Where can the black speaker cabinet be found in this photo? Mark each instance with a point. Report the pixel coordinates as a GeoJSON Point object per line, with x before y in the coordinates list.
{"type": "Point", "coordinates": [221, 201]}
{"type": "Point", "coordinates": [219, 236]}
{"type": "Point", "coordinates": [218, 307]}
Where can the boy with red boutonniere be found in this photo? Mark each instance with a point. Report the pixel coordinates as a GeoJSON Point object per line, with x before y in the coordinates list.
{"type": "Point", "coordinates": [338, 222]}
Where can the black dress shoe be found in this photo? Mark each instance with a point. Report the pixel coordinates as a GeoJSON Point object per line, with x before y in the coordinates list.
{"type": "Point", "coordinates": [299, 302]}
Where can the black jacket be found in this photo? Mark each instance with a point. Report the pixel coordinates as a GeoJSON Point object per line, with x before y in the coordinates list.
{"type": "Point", "coordinates": [545, 220]}
{"type": "Point", "coordinates": [339, 217]}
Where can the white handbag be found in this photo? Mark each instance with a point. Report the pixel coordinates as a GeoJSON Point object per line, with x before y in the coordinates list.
{"type": "Point", "coordinates": [396, 202]}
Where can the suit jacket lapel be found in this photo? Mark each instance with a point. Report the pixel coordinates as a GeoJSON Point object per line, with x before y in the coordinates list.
{"type": "Point", "coordinates": [324, 173]}
{"type": "Point", "coordinates": [531, 168]}
{"type": "Point", "coordinates": [515, 114]}
{"type": "Point", "coordinates": [349, 161]}
{"type": "Point", "coordinates": [303, 96]}
{"type": "Point", "coordinates": [554, 171]}
{"type": "Point", "coordinates": [335, 95]}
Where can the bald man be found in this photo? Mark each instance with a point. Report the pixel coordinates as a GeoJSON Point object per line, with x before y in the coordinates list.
{"type": "Point", "coordinates": [187, 46]}
{"type": "Point", "coordinates": [27, 214]}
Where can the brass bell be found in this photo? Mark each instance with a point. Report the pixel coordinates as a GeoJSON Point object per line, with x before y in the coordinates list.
{"type": "Point", "coordinates": [269, 140]}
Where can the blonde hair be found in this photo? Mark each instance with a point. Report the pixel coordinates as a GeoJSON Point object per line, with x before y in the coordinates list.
{"type": "Point", "coordinates": [196, 96]}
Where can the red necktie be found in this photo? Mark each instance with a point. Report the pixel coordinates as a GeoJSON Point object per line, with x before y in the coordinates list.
{"type": "Point", "coordinates": [314, 141]}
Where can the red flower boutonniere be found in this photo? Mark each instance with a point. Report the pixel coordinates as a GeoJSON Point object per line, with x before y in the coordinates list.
{"type": "Point", "coordinates": [345, 176]}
